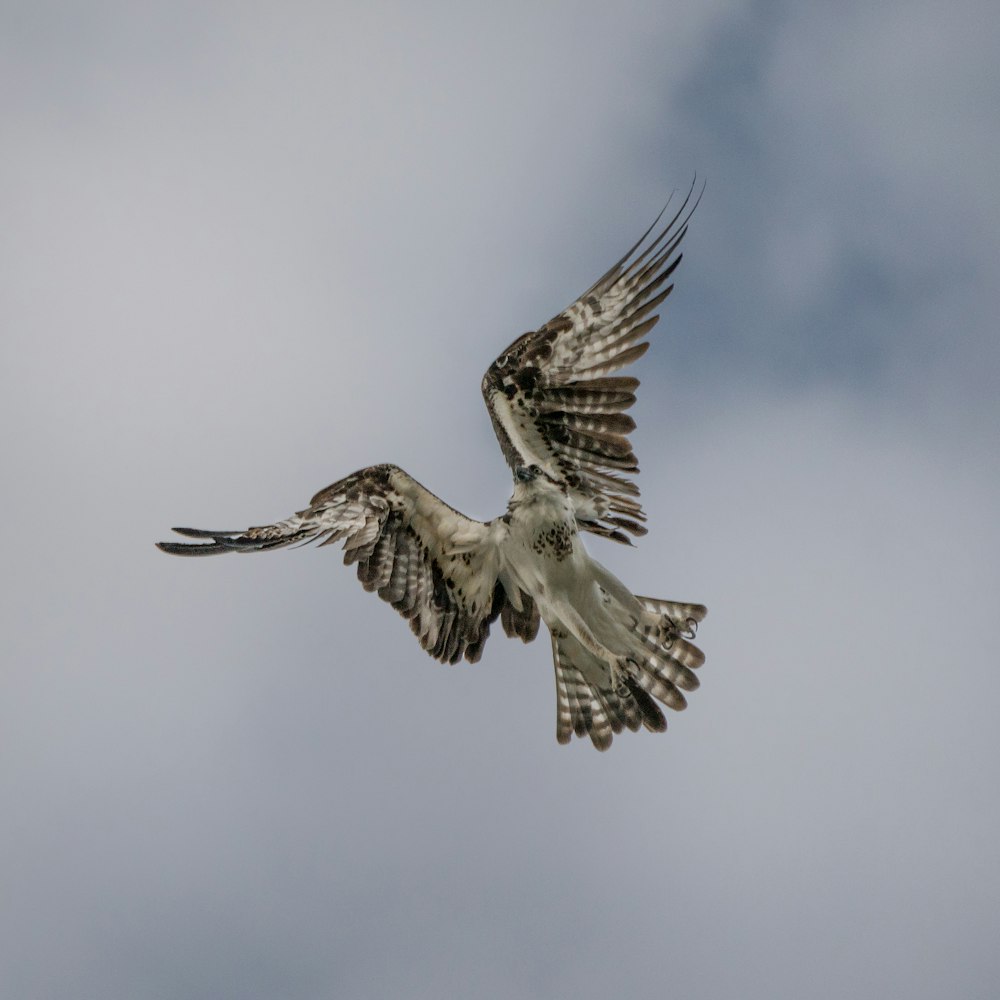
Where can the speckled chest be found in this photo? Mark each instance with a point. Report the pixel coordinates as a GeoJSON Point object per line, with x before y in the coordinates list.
{"type": "Point", "coordinates": [543, 523]}
{"type": "Point", "coordinates": [554, 542]}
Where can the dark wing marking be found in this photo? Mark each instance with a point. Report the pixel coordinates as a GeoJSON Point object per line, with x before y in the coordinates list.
{"type": "Point", "coordinates": [554, 401]}
{"type": "Point", "coordinates": [435, 566]}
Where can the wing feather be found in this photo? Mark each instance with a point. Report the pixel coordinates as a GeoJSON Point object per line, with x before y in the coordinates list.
{"type": "Point", "coordinates": [435, 566]}
{"type": "Point", "coordinates": [554, 399]}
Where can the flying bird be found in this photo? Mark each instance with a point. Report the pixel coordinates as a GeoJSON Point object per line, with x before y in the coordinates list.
{"type": "Point", "coordinates": [558, 411]}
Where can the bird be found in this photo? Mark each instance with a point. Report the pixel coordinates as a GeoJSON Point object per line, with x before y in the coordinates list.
{"type": "Point", "coordinates": [557, 406]}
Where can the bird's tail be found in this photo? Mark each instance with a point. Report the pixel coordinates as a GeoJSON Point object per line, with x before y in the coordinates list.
{"type": "Point", "coordinates": [598, 699]}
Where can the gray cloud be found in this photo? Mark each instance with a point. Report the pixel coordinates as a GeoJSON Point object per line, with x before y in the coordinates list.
{"type": "Point", "coordinates": [249, 253]}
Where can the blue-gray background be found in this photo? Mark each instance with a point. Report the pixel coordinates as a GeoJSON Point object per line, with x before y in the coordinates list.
{"type": "Point", "coordinates": [246, 249]}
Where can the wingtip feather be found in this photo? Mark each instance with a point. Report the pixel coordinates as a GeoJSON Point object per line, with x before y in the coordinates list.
{"type": "Point", "coordinates": [203, 533]}
{"type": "Point", "coordinates": [190, 549]}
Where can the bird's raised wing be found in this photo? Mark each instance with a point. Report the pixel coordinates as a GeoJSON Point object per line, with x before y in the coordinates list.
{"type": "Point", "coordinates": [437, 567]}
{"type": "Point", "coordinates": [554, 401]}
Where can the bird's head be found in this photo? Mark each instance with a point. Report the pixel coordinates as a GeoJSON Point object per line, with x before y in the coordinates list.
{"type": "Point", "coordinates": [534, 478]}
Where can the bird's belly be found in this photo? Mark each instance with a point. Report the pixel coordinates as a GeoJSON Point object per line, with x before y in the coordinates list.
{"type": "Point", "coordinates": [548, 561]}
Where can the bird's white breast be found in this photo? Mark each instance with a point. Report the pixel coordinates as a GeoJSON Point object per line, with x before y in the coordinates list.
{"type": "Point", "coordinates": [543, 552]}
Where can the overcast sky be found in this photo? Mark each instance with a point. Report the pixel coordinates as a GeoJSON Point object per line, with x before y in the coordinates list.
{"type": "Point", "coordinates": [246, 249]}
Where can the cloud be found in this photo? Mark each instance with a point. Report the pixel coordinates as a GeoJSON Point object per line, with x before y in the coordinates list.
{"type": "Point", "coordinates": [848, 216]}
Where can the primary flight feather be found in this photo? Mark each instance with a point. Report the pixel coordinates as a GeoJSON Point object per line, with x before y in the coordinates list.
{"type": "Point", "coordinates": [558, 412]}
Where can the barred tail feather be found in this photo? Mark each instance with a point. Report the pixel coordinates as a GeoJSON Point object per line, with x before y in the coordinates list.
{"type": "Point", "coordinates": [598, 699]}
{"type": "Point", "coordinates": [589, 702]}
{"type": "Point", "coordinates": [579, 706]}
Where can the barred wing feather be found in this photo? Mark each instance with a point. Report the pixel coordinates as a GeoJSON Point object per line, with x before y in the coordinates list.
{"type": "Point", "coordinates": [435, 566]}
{"type": "Point", "coordinates": [554, 400]}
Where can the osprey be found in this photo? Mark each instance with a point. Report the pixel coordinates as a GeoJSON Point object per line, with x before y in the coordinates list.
{"type": "Point", "coordinates": [558, 413]}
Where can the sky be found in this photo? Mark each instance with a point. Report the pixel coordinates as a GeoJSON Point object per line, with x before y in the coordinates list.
{"type": "Point", "coordinates": [247, 249]}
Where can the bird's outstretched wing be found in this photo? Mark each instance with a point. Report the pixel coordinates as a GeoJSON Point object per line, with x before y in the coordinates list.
{"type": "Point", "coordinates": [437, 567]}
{"type": "Point", "coordinates": [554, 401]}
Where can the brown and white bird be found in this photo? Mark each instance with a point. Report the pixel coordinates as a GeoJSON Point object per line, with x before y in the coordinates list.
{"type": "Point", "coordinates": [558, 413]}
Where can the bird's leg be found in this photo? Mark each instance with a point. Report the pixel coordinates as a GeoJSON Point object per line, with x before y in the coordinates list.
{"type": "Point", "coordinates": [624, 667]}
{"type": "Point", "coordinates": [619, 667]}
{"type": "Point", "coordinates": [581, 631]}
